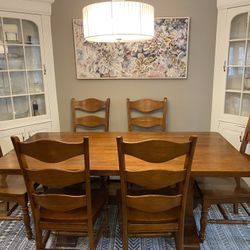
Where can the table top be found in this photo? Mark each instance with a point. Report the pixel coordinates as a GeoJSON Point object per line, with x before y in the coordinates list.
{"type": "Point", "coordinates": [214, 156]}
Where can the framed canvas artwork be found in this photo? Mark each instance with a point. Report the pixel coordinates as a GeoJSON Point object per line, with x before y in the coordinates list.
{"type": "Point", "coordinates": [163, 57]}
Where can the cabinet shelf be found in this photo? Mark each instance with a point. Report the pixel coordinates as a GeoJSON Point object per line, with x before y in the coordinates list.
{"type": "Point", "coordinates": [238, 66]}
{"type": "Point", "coordinates": [239, 39]}
{"type": "Point", "coordinates": [36, 93]}
{"type": "Point", "coordinates": [233, 91]}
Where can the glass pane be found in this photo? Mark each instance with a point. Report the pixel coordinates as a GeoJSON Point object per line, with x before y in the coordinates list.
{"type": "Point", "coordinates": [248, 53]}
{"type": "Point", "coordinates": [18, 83]}
{"type": "Point", "coordinates": [249, 27]}
{"type": "Point", "coordinates": [232, 103]}
{"type": "Point", "coordinates": [35, 79]}
{"type": "Point", "coordinates": [21, 106]}
{"type": "Point", "coordinates": [30, 32]}
{"type": "Point", "coordinates": [4, 84]}
{"type": "Point", "coordinates": [239, 27]}
{"type": "Point", "coordinates": [33, 57]}
{"type": "Point", "coordinates": [247, 79]}
{"type": "Point", "coordinates": [236, 53]}
{"type": "Point", "coordinates": [38, 105]}
{"type": "Point", "coordinates": [3, 64]}
{"type": "Point", "coordinates": [15, 57]}
{"type": "Point", "coordinates": [5, 109]}
{"type": "Point", "coordinates": [245, 105]}
{"type": "Point", "coordinates": [12, 30]}
{"type": "Point", "coordinates": [1, 32]}
{"type": "Point", "coordinates": [234, 78]}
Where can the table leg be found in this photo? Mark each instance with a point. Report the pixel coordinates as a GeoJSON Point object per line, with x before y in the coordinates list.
{"type": "Point", "coordinates": [191, 239]}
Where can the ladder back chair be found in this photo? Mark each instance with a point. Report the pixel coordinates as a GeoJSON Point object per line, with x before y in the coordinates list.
{"type": "Point", "coordinates": [59, 207]}
{"type": "Point", "coordinates": [13, 190]}
{"type": "Point", "coordinates": [87, 113]}
{"type": "Point", "coordinates": [221, 190]}
{"type": "Point", "coordinates": [142, 113]}
{"type": "Point", "coordinates": [146, 211]}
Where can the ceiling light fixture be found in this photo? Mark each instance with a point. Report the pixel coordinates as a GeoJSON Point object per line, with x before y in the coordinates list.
{"type": "Point", "coordinates": [118, 21]}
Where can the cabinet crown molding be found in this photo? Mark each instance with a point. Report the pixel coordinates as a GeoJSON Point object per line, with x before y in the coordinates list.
{"type": "Point", "coordinates": [223, 4]}
{"type": "Point", "coordinates": [42, 7]}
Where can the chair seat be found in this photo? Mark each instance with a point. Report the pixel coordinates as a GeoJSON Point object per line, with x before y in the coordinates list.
{"type": "Point", "coordinates": [222, 187]}
{"type": "Point", "coordinates": [12, 185]}
{"type": "Point", "coordinates": [98, 199]}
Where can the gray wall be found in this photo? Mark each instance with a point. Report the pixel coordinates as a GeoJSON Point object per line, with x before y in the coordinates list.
{"type": "Point", "coordinates": [189, 100]}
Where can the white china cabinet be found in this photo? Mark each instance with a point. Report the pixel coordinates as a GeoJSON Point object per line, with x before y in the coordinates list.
{"type": "Point", "coordinates": [231, 90]}
{"type": "Point", "coordinates": [28, 102]}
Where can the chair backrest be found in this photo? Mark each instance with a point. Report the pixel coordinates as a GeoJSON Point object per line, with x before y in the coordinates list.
{"type": "Point", "coordinates": [140, 113]}
{"type": "Point", "coordinates": [155, 178]}
{"type": "Point", "coordinates": [246, 140]}
{"type": "Point", "coordinates": [48, 153]}
{"type": "Point", "coordinates": [89, 116]}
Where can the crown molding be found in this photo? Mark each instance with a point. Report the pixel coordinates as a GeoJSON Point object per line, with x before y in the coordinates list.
{"type": "Point", "coordinates": [27, 6]}
{"type": "Point", "coordinates": [223, 4]}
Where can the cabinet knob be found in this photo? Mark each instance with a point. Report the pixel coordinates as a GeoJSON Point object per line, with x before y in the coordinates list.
{"type": "Point", "coordinates": [44, 69]}
{"type": "Point", "coordinates": [240, 136]}
{"type": "Point", "coordinates": [224, 66]}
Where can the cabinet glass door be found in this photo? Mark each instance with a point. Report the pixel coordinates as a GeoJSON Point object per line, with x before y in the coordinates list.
{"type": "Point", "coordinates": [237, 93]}
{"type": "Point", "coordinates": [22, 91]}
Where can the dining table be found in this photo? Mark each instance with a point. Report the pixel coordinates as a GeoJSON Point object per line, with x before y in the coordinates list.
{"type": "Point", "coordinates": [214, 156]}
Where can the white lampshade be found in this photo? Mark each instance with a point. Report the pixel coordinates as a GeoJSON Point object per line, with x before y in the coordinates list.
{"type": "Point", "coordinates": [115, 21]}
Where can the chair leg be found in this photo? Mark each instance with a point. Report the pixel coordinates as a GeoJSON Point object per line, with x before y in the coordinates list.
{"type": "Point", "coordinates": [23, 202]}
{"type": "Point", "coordinates": [91, 235]}
{"type": "Point", "coordinates": [179, 240]}
{"type": "Point", "coordinates": [39, 240]}
{"type": "Point", "coordinates": [124, 237]}
{"type": "Point", "coordinates": [236, 208]}
{"type": "Point", "coordinates": [7, 206]}
{"type": "Point", "coordinates": [203, 220]}
{"type": "Point", "coordinates": [106, 230]}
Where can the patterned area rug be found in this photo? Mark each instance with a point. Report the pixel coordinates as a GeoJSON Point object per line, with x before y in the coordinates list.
{"type": "Point", "coordinates": [219, 237]}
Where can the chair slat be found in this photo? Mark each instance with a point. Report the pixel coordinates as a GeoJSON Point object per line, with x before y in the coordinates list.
{"type": "Point", "coordinates": [163, 151]}
{"type": "Point", "coordinates": [89, 104]}
{"type": "Point", "coordinates": [90, 121]}
{"type": "Point", "coordinates": [153, 203]}
{"type": "Point", "coordinates": [56, 177]}
{"type": "Point", "coordinates": [146, 105]}
{"type": "Point", "coordinates": [60, 202]}
{"type": "Point", "coordinates": [158, 178]}
{"type": "Point", "coordinates": [149, 229]}
{"type": "Point", "coordinates": [146, 121]}
{"type": "Point", "coordinates": [51, 151]}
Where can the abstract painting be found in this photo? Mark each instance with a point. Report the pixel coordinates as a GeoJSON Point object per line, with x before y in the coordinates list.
{"type": "Point", "coordinates": [163, 57]}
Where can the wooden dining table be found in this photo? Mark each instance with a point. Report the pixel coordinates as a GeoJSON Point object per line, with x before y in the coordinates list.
{"type": "Point", "coordinates": [214, 156]}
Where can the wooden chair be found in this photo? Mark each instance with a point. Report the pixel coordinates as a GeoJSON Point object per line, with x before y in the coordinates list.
{"type": "Point", "coordinates": [146, 211]}
{"type": "Point", "coordinates": [91, 106]}
{"type": "Point", "coordinates": [59, 207]}
{"type": "Point", "coordinates": [12, 189]}
{"type": "Point", "coordinates": [89, 117]}
{"type": "Point", "coordinates": [221, 190]}
{"type": "Point", "coordinates": [140, 114]}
